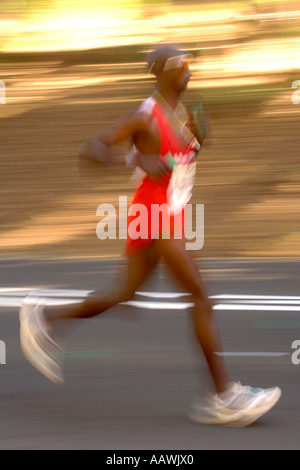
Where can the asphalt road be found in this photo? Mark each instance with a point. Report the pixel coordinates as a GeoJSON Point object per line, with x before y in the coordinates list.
{"type": "Point", "coordinates": [130, 379]}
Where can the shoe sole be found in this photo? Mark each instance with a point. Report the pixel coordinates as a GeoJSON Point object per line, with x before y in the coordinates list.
{"type": "Point", "coordinates": [239, 419]}
{"type": "Point", "coordinates": [253, 415]}
{"type": "Point", "coordinates": [224, 420]}
{"type": "Point", "coordinates": [33, 351]}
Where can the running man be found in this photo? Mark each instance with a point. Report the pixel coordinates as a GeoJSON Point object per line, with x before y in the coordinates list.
{"type": "Point", "coordinates": [165, 148]}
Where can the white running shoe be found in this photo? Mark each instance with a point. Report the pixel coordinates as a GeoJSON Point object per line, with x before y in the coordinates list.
{"type": "Point", "coordinates": [36, 341]}
{"type": "Point", "coordinates": [239, 406]}
{"type": "Point", "coordinates": [213, 411]}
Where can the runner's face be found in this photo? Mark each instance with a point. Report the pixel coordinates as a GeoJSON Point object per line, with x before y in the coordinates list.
{"type": "Point", "coordinates": [181, 76]}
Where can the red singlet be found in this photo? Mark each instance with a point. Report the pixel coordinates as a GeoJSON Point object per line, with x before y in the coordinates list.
{"type": "Point", "coordinates": [173, 190]}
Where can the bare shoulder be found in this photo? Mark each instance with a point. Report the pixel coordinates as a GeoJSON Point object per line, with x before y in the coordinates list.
{"type": "Point", "coordinates": [135, 120]}
{"type": "Point", "coordinates": [144, 113]}
{"type": "Point", "coordinates": [147, 139]}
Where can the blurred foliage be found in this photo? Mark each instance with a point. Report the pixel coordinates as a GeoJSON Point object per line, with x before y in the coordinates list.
{"type": "Point", "coordinates": [248, 177]}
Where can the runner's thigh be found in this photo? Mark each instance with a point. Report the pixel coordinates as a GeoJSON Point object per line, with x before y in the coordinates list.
{"type": "Point", "coordinates": [182, 266]}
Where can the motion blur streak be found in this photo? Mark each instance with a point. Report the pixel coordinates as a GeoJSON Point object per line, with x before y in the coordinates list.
{"type": "Point", "coordinates": [72, 67]}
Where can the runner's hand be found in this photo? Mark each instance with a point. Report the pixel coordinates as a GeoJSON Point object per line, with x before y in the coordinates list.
{"type": "Point", "coordinates": [151, 165]}
{"type": "Point", "coordinates": [96, 152]}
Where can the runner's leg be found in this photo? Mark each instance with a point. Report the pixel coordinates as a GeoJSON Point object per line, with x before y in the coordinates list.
{"type": "Point", "coordinates": [42, 327]}
{"type": "Point", "coordinates": [135, 273]}
{"type": "Point", "coordinates": [183, 266]}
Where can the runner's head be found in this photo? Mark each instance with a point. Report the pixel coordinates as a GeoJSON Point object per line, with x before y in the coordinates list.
{"type": "Point", "coordinates": [170, 64]}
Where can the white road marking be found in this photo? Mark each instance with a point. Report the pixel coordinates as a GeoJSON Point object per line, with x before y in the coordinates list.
{"type": "Point", "coordinates": [57, 293]}
{"type": "Point", "coordinates": [265, 308]}
{"type": "Point", "coordinates": [163, 295]}
{"type": "Point", "coordinates": [159, 305]}
{"type": "Point", "coordinates": [17, 301]}
{"type": "Point", "coordinates": [13, 297]}
{"type": "Point", "coordinates": [270, 302]}
{"type": "Point", "coordinates": [252, 354]}
{"type": "Point", "coordinates": [22, 292]}
{"type": "Point", "coordinates": [255, 297]}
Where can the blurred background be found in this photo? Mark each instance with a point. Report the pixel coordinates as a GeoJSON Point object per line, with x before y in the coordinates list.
{"type": "Point", "coordinates": [73, 67]}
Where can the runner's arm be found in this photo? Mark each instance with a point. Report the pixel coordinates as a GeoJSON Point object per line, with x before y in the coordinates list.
{"type": "Point", "coordinates": [99, 148]}
{"type": "Point", "coordinates": [134, 125]}
{"type": "Point", "coordinates": [200, 123]}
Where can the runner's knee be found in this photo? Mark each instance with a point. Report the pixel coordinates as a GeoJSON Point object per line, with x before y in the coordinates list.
{"type": "Point", "coordinates": [125, 295]}
{"type": "Point", "coordinates": [203, 306]}
{"type": "Point", "coordinates": [95, 304]}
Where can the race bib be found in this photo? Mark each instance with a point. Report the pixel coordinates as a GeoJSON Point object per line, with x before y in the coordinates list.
{"type": "Point", "coordinates": [181, 185]}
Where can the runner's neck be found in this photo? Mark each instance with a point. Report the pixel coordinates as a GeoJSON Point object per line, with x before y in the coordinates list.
{"type": "Point", "coordinates": [177, 118]}
{"type": "Point", "coordinates": [171, 97]}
